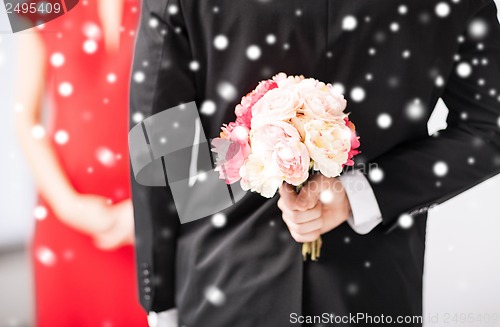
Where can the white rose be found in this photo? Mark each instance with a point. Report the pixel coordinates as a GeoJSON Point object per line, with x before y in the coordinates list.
{"type": "Point", "coordinates": [277, 104]}
{"type": "Point", "coordinates": [320, 101]}
{"type": "Point", "coordinates": [260, 176]}
{"type": "Point", "coordinates": [329, 144]}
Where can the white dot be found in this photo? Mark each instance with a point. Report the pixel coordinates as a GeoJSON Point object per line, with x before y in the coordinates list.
{"type": "Point", "coordinates": [137, 117]}
{"type": "Point", "coordinates": [208, 107]}
{"type": "Point", "coordinates": [215, 9]}
{"type": "Point", "coordinates": [219, 220]}
{"type": "Point", "coordinates": [347, 239]}
{"type": "Point", "coordinates": [65, 89]}
{"type": "Point", "coordinates": [478, 28]}
{"type": "Point", "coordinates": [46, 256]}
{"type": "Point", "coordinates": [90, 46]}
{"type": "Point", "coordinates": [326, 196]}
{"type": "Point", "coordinates": [338, 88]}
{"type": "Point", "coordinates": [481, 81]}
{"type": "Point", "coordinates": [40, 212]}
{"type": "Point", "coordinates": [394, 27]}
{"type": "Point", "coordinates": [111, 78]}
{"type": "Point", "coordinates": [464, 69]}
{"type": "Point", "coordinates": [403, 9]}
{"type": "Point", "coordinates": [175, 124]}
{"type": "Point", "coordinates": [194, 65]}
{"type": "Point", "coordinates": [406, 54]}
{"type": "Point", "coordinates": [405, 221]}
{"type": "Point", "coordinates": [61, 137]}
{"type": "Point", "coordinates": [18, 107]}
{"type": "Point", "coordinates": [286, 46]}
{"type": "Point", "coordinates": [91, 31]}
{"type": "Point", "coordinates": [358, 94]}
{"type": "Point", "coordinates": [369, 77]}
{"type": "Point", "coordinates": [202, 176]}
{"type": "Point", "coordinates": [153, 23]}
{"type": "Point", "coordinates": [221, 42]}
{"type": "Point", "coordinates": [163, 140]}
{"type": "Point", "coordinates": [372, 51]}
{"type": "Point", "coordinates": [415, 110]}
{"type": "Point", "coordinates": [368, 264]}
{"type": "Point", "coordinates": [471, 160]}
{"type": "Point", "coordinates": [173, 9]}
{"type": "Point", "coordinates": [253, 52]}
{"type": "Point", "coordinates": [105, 156]}
{"type": "Point", "coordinates": [271, 39]}
{"type": "Point", "coordinates": [384, 121]}
{"type": "Point", "coordinates": [439, 81]}
{"type": "Point", "coordinates": [215, 296]}
{"type": "Point", "coordinates": [443, 9]}
{"type": "Point", "coordinates": [139, 77]}
{"type": "Point", "coordinates": [440, 168]}
{"type": "Point", "coordinates": [352, 289]}
{"type": "Point", "coordinates": [57, 59]}
{"type": "Point", "coordinates": [227, 91]}
{"type": "Point", "coordinates": [376, 175]}
{"type": "Point", "coordinates": [349, 23]}
{"type": "Point", "coordinates": [38, 131]}
{"type": "Point", "coordinates": [298, 12]}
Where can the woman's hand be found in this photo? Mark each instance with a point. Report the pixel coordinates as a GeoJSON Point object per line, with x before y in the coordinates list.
{"type": "Point", "coordinates": [122, 231]}
{"type": "Point", "coordinates": [320, 206]}
{"type": "Point", "coordinates": [110, 225]}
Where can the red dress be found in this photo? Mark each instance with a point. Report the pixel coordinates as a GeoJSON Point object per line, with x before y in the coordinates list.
{"type": "Point", "coordinates": [87, 91]}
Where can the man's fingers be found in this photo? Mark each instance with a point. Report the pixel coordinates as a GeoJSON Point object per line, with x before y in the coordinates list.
{"type": "Point", "coordinates": [309, 195]}
{"type": "Point", "coordinates": [288, 197]}
{"type": "Point", "coordinates": [305, 228]}
{"type": "Point", "coordinates": [304, 238]}
{"type": "Point", "coordinates": [300, 217]}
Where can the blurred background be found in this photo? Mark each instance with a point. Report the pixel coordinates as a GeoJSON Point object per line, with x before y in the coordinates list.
{"type": "Point", "coordinates": [462, 269]}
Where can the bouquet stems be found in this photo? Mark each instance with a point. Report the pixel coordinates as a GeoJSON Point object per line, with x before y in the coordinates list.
{"type": "Point", "coordinates": [313, 249]}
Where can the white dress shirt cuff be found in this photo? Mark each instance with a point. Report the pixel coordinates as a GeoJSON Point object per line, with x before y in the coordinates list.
{"type": "Point", "coordinates": [163, 319]}
{"type": "Point", "coordinates": [366, 213]}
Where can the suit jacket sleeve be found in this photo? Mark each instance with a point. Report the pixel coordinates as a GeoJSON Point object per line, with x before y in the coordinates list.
{"type": "Point", "coordinates": [161, 79]}
{"type": "Point", "coordinates": [431, 170]}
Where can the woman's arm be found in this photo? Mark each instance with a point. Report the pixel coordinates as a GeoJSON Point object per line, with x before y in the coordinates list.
{"type": "Point", "coordinates": [87, 213]}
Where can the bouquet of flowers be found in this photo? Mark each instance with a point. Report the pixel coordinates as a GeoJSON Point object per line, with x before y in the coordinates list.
{"type": "Point", "coordinates": [286, 129]}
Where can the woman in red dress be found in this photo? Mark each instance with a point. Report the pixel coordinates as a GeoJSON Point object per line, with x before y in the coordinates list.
{"type": "Point", "coordinates": [78, 65]}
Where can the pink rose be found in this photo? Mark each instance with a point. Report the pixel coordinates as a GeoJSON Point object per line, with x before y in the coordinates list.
{"type": "Point", "coordinates": [354, 142]}
{"type": "Point", "coordinates": [280, 143]}
{"type": "Point", "coordinates": [232, 148]}
{"type": "Point", "coordinates": [243, 110]}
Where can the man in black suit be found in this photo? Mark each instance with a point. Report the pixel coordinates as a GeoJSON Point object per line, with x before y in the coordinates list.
{"type": "Point", "coordinates": [393, 60]}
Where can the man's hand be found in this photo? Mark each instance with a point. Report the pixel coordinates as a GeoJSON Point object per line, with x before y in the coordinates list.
{"type": "Point", "coordinates": [320, 206]}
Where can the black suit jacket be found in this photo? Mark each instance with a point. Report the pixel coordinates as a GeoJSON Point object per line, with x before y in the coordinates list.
{"type": "Point", "coordinates": [393, 58]}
